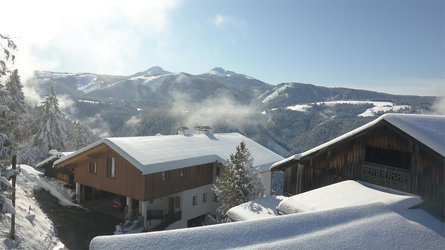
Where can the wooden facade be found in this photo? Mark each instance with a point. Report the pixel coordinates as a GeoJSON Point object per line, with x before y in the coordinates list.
{"type": "Point", "coordinates": [128, 180]}
{"type": "Point", "coordinates": [382, 154]}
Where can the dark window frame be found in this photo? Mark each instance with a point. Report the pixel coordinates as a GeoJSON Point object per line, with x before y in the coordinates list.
{"type": "Point", "coordinates": [111, 166]}
{"type": "Point", "coordinates": [164, 176]}
{"type": "Point", "coordinates": [93, 167]}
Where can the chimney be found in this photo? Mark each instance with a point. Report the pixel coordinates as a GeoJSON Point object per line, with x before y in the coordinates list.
{"type": "Point", "coordinates": [203, 130]}
{"type": "Point", "coordinates": [183, 130]}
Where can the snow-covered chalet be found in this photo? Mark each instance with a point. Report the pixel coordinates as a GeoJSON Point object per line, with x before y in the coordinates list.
{"type": "Point", "coordinates": [165, 179]}
{"type": "Point", "coordinates": [405, 152]}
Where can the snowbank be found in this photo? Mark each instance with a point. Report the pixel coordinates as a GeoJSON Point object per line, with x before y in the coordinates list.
{"type": "Point", "coordinates": [368, 226]}
{"type": "Point", "coordinates": [33, 228]}
{"type": "Point", "coordinates": [32, 180]}
{"type": "Point", "coordinates": [345, 194]}
{"type": "Point", "coordinates": [259, 208]}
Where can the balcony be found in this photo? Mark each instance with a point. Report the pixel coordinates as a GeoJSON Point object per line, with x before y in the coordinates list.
{"type": "Point", "coordinates": [386, 176]}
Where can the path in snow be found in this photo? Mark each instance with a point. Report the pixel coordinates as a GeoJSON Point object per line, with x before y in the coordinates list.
{"type": "Point", "coordinates": [75, 226]}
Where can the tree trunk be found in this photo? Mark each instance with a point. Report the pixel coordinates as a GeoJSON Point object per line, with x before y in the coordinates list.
{"type": "Point", "coordinates": [12, 233]}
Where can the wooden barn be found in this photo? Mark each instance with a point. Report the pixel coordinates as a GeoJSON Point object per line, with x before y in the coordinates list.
{"type": "Point", "coordinates": [163, 179]}
{"type": "Point", "coordinates": [399, 151]}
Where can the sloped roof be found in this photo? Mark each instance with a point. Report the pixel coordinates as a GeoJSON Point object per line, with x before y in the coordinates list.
{"type": "Point", "coordinates": [152, 154]}
{"type": "Point", "coordinates": [54, 155]}
{"type": "Point", "coordinates": [427, 129]}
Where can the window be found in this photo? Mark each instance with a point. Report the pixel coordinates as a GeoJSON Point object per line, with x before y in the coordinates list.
{"type": "Point", "coordinates": [217, 172]}
{"type": "Point", "coordinates": [204, 197]}
{"type": "Point", "coordinates": [198, 169]}
{"type": "Point", "coordinates": [111, 167]}
{"type": "Point", "coordinates": [165, 176]}
{"type": "Point", "coordinates": [178, 202]}
{"type": "Point", "coordinates": [183, 172]}
{"type": "Point", "coordinates": [93, 167]}
{"type": "Point", "coordinates": [195, 200]}
{"type": "Point", "coordinates": [388, 157]}
{"type": "Point", "coordinates": [215, 197]}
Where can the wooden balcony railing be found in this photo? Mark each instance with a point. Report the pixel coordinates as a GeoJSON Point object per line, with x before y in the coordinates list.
{"type": "Point", "coordinates": [386, 176]}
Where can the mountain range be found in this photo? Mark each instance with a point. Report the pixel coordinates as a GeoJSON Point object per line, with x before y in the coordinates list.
{"type": "Point", "coordinates": [288, 117]}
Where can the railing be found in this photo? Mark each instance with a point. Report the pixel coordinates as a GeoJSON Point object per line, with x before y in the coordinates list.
{"type": "Point", "coordinates": [155, 214]}
{"type": "Point", "coordinates": [168, 221]}
{"type": "Point", "coordinates": [386, 176]}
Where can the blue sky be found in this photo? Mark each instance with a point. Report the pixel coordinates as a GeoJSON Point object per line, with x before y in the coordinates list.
{"type": "Point", "coordinates": [395, 46]}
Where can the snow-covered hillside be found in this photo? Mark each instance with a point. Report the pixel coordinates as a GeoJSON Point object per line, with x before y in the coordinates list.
{"type": "Point", "coordinates": [378, 107]}
{"type": "Point", "coordinates": [33, 228]}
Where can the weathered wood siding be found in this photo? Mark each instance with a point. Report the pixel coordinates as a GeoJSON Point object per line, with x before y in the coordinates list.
{"type": "Point", "coordinates": [155, 187]}
{"type": "Point", "coordinates": [344, 160]}
{"type": "Point", "coordinates": [128, 180]}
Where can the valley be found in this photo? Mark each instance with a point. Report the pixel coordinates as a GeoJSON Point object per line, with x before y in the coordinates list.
{"type": "Point", "coordinates": [287, 118]}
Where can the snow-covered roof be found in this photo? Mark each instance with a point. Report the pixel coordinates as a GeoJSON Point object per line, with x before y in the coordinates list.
{"type": "Point", "coordinates": [54, 155]}
{"type": "Point", "coordinates": [427, 129]}
{"type": "Point", "coordinates": [377, 224]}
{"type": "Point", "coordinates": [346, 194]}
{"type": "Point", "coordinates": [51, 158]}
{"type": "Point", "coordinates": [152, 154]}
{"type": "Point", "coordinates": [263, 207]}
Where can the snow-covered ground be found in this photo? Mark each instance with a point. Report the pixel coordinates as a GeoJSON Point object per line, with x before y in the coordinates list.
{"type": "Point", "coordinates": [346, 194]}
{"type": "Point", "coordinates": [378, 107]}
{"type": "Point", "coordinates": [33, 228]}
{"type": "Point", "coordinates": [264, 207]}
{"type": "Point", "coordinates": [380, 219]}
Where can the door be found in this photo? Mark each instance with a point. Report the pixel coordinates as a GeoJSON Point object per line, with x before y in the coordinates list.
{"type": "Point", "coordinates": [171, 205]}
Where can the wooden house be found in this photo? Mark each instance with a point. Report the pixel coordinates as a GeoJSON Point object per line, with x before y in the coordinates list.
{"type": "Point", "coordinates": [164, 178]}
{"type": "Point", "coordinates": [398, 151]}
{"type": "Point", "coordinates": [64, 174]}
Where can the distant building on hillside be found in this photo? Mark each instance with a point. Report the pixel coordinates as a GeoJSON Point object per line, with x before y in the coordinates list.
{"type": "Point", "coordinates": [165, 179]}
{"type": "Point", "coordinates": [64, 174]}
{"type": "Point", "coordinates": [399, 151]}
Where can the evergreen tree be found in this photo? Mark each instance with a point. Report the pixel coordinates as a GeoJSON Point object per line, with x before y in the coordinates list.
{"type": "Point", "coordinates": [51, 129]}
{"type": "Point", "coordinates": [240, 181]}
{"type": "Point", "coordinates": [6, 145]}
{"type": "Point", "coordinates": [14, 88]}
{"type": "Point", "coordinates": [52, 132]}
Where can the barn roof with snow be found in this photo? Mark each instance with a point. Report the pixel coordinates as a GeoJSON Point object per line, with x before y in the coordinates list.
{"type": "Point", "coordinates": [151, 154]}
{"type": "Point", "coordinates": [426, 129]}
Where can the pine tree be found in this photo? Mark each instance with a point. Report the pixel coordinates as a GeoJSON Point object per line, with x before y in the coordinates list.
{"type": "Point", "coordinates": [14, 88]}
{"type": "Point", "coordinates": [240, 181]}
{"type": "Point", "coordinates": [52, 132]}
{"type": "Point", "coordinates": [7, 146]}
{"type": "Point", "coordinates": [51, 129]}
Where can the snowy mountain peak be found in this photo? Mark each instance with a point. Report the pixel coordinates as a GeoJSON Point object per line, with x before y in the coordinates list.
{"type": "Point", "coordinates": [153, 71]}
{"type": "Point", "coordinates": [217, 71]}
{"type": "Point", "coordinates": [221, 72]}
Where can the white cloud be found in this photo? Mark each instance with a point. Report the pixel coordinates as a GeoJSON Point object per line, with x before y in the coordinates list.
{"type": "Point", "coordinates": [97, 34]}
{"type": "Point", "coordinates": [439, 106]}
{"type": "Point", "coordinates": [100, 36]}
{"type": "Point", "coordinates": [221, 21]}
